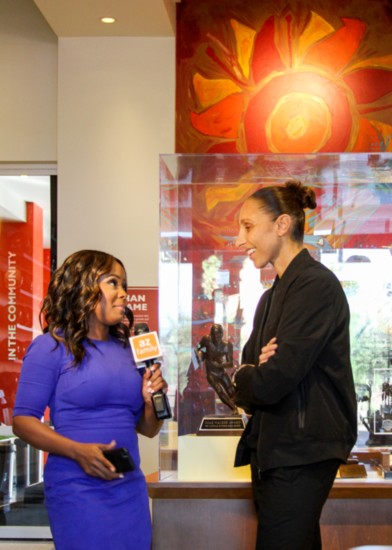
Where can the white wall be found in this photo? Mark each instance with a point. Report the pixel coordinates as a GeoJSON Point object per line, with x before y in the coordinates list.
{"type": "Point", "coordinates": [115, 116]}
{"type": "Point", "coordinates": [28, 84]}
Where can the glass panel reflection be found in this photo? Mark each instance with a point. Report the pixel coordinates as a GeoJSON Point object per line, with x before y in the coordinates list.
{"type": "Point", "coordinates": [204, 279]}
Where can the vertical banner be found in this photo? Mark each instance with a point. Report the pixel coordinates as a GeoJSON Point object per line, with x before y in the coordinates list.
{"type": "Point", "coordinates": [144, 303]}
{"type": "Point", "coordinates": [21, 293]}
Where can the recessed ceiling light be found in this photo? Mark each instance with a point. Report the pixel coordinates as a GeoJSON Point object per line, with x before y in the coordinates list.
{"type": "Point", "coordinates": [107, 19]}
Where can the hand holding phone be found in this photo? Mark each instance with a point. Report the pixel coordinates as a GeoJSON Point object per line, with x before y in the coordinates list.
{"type": "Point", "coordinates": [121, 459]}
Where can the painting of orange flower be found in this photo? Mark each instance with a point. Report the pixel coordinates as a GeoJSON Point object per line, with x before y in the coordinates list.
{"type": "Point", "coordinates": [273, 77]}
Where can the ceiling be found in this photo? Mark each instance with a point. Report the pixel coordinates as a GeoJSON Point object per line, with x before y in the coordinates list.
{"type": "Point", "coordinates": [71, 18]}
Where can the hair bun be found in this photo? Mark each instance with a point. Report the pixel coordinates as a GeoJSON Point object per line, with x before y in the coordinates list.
{"type": "Point", "coordinates": [305, 195]}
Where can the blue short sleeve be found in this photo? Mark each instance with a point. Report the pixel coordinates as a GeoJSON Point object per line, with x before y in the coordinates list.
{"type": "Point", "coordinates": [39, 375]}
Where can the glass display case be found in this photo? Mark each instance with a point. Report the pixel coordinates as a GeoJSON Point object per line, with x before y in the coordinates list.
{"type": "Point", "coordinates": [205, 281]}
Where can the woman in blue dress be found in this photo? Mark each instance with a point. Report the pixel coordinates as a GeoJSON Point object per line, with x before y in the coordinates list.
{"type": "Point", "coordinates": [82, 368]}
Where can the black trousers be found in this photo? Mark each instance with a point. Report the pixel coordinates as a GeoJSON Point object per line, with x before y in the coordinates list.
{"type": "Point", "coordinates": [289, 502]}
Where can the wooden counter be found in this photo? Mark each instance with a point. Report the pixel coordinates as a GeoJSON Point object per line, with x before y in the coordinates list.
{"type": "Point", "coordinates": [220, 516]}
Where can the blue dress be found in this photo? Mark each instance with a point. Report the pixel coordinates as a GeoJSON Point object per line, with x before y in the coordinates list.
{"type": "Point", "coordinates": [96, 402]}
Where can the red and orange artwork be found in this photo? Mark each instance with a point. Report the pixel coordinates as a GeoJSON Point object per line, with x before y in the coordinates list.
{"type": "Point", "coordinates": [282, 79]}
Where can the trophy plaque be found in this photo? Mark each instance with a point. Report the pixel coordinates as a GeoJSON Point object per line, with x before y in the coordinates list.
{"type": "Point", "coordinates": [221, 425]}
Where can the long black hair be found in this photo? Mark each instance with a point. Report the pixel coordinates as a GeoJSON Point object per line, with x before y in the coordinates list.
{"type": "Point", "coordinates": [72, 296]}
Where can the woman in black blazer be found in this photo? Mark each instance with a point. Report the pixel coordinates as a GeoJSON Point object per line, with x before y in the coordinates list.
{"type": "Point", "coordinates": [296, 382]}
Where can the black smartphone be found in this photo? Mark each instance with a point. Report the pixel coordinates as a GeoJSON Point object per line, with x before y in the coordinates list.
{"type": "Point", "coordinates": [121, 459]}
{"type": "Point", "coordinates": [161, 405]}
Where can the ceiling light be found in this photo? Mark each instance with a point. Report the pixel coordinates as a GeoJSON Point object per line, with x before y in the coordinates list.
{"type": "Point", "coordinates": [107, 19]}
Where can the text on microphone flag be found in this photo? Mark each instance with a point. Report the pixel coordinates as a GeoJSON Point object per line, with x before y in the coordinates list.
{"type": "Point", "coordinates": [145, 346]}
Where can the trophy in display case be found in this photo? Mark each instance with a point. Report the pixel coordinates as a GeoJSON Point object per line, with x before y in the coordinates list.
{"type": "Point", "coordinates": [209, 392]}
{"type": "Point", "coordinates": [215, 355]}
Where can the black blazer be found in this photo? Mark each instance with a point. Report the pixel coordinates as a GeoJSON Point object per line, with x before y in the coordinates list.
{"type": "Point", "coordinates": [302, 400]}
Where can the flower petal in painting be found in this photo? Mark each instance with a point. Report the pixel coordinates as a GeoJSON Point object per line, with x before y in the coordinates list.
{"type": "Point", "coordinates": [316, 30]}
{"type": "Point", "coordinates": [222, 119]}
{"type": "Point", "coordinates": [370, 84]}
{"type": "Point", "coordinates": [336, 51]}
{"type": "Point", "coordinates": [211, 91]}
{"type": "Point", "coordinates": [266, 58]}
{"type": "Point", "coordinates": [244, 38]}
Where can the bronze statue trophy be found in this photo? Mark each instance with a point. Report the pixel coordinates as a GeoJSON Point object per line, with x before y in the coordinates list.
{"type": "Point", "coordinates": [216, 354]}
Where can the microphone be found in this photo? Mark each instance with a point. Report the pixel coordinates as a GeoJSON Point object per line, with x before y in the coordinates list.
{"type": "Point", "coordinates": [145, 347]}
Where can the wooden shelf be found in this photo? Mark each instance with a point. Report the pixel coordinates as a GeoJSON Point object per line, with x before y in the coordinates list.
{"type": "Point", "coordinates": [372, 487]}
